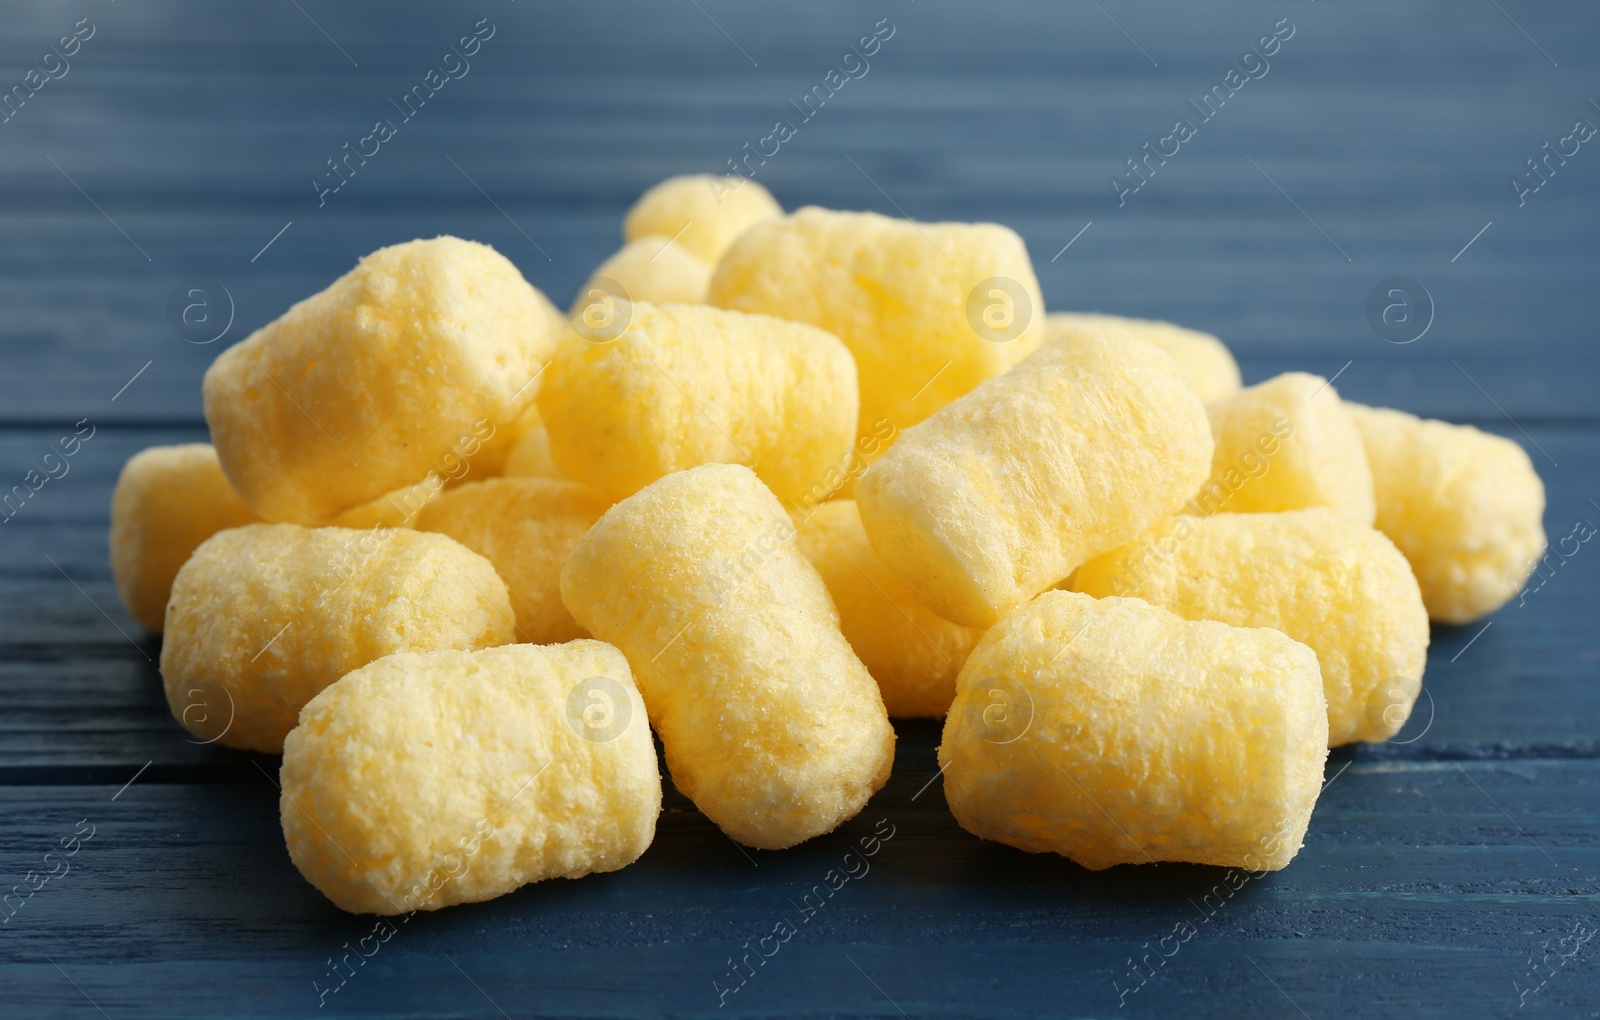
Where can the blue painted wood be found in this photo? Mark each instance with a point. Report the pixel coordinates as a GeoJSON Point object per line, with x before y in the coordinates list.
{"type": "Point", "coordinates": [1442, 870]}
{"type": "Point", "coordinates": [184, 888]}
{"type": "Point", "coordinates": [77, 691]}
{"type": "Point", "coordinates": [1396, 128]}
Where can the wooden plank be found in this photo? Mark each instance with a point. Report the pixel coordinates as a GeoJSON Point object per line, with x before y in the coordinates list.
{"type": "Point", "coordinates": [1439, 866]}
{"type": "Point", "coordinates": [1381, 161]}
{"type": "Point", "coordinates": [66, 366]}
{"type": "Point", "coordinates": [177, 874]}
{"type": "Point", "coordinates": [78, 691]}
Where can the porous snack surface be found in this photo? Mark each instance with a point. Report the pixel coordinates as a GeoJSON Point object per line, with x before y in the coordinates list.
{"type": "Point", "coordinates": [929, 310]}
{"type": "Point", "coordinates": [397, 509]}
{"type": "Point", "coordinates": [913, 653]}
{"type": "Point", "coordinates": [528, 455]}
{"type": "Point", "coordinates": [1287, 444]}
{"type": "Point", "coordinates": [705, 213]}
{"type": "Point", "coordinates": [423, 780]}
{"type": "Point", "coordinates": [1204, 360]}
{"type": "Point", "coordinates": [371, 384]}
{"type": "Point", "coordinates": [1465, 506]}
{"type": "Point", "coordinates": [768, 720]}
{"type": "Point", "coordinates": [652, 268]}
{"type": "Point", "coordinates": [167, 501]}
{"type": "Point", "coordinates": [1115, 732]}
{"type": "Point", "coordinates": [264, 616]}
{"type": "Point", "coordinates": [526, 527]}
{"type": "Point", "coordinates": [1006, 490]}
{"type": "Point", "coordinates": [1341, 588]}
{"type": "Point", "coordinates": [683, 385]}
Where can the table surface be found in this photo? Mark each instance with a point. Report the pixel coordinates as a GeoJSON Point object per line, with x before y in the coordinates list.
{"type": "Point", "coordinates": [1452, 872]}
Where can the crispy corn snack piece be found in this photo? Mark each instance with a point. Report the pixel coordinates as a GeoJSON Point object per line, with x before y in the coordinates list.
{"type": "Point", "coordinates": [369, 385]}
{"type": "Point", "coordinates": [687, 384]}
{"type": "Point", "coordinates": [1114, 732]}
{"type": "Point", "coordinates": [428, 779]}
{"type": "Point", "coordinates": [651, 268]}
{"type": "Point", "coordinates": [769, 722]}
{"type": "Point", "coordinates": [1340, 588]}
{"type": "Point", "coordinates": [929, 310]}
{"type": "Point", "coordinates": [167, 501]}
{"type": "Point", "coordinates": [529, 456]}
{"type": "Point", "coordinates": [913, 653]}
{"type": "Point", "coordinates": [552, 314]}
{"type": "Point", "coordinates": [1466, 507]}
{"type": "Point", "coordinates": [518, 440]}
{"type": "Point", "coordinates": [703, 211]}
{"type": "Point", "coordinates": [264, 616]}
{"type": "Point", "coordinates": [397, 509]}
{"type": "Point", "coordinates": [1286, 444]}
{"type": "Point", "coordinates": [1205, 361]}
{"type": "Point", "coordinates": [526, 527]}
{"type": "Point", "coordinates": [1077, 450]}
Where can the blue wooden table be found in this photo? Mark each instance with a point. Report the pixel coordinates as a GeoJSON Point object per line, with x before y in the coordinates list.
{"type": "Point", "coordinates": [1454, 871]}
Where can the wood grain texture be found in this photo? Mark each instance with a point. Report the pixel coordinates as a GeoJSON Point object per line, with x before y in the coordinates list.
{"type": "Point", "coordinates": [1396, 128]}
{"type": "Point", "coordinates": [195, 872]}
{"type": "Point", "coordinates": [1439, 868]}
